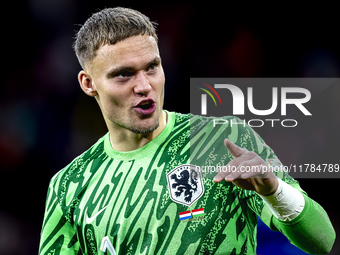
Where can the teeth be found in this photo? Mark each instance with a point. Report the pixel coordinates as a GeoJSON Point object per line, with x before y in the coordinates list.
{"type": "Point", "coordinates": [145, 105]}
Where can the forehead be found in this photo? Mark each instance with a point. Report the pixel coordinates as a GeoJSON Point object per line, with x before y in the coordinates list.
{"type": "Point", "coordinates": [132, 52]}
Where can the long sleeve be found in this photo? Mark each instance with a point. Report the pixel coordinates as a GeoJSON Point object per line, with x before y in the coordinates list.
{"type": "Point", "coordinates": [57, 235]}
{"type": "Point", "coordinates": [311, 230]}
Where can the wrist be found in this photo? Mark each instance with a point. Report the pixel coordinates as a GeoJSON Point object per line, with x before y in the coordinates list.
{"type": "Point", "coordinates": [286, 202]}
{"type": "Point", "coordinates": [274, 185]}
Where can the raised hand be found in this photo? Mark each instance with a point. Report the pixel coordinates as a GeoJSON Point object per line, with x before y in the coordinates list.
{"type": "Point", "coordinates": [248, 171]}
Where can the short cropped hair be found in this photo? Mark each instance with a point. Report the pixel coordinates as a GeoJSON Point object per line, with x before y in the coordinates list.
{"type": "Point", "coordinates": [108, 27]}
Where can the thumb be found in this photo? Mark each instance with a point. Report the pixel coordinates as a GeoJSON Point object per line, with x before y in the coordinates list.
{"type": "Point", "coordinates": [234, 150]}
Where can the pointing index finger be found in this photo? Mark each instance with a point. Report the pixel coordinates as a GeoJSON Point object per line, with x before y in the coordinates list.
{"type": "Point", "coordinates": [234, 150]}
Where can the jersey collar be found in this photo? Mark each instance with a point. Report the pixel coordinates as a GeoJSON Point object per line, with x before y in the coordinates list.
{"type": "Point", "coordinates": [146, 149]}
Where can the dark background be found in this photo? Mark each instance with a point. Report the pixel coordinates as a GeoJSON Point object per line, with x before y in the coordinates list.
{"type": "Point", "coordinates": [46, 120]}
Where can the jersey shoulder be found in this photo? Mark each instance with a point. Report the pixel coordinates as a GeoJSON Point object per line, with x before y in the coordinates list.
{"type": "Point", "coordinates": [76, 168]}
{"type": "Point", "coordinates": [182, 118]}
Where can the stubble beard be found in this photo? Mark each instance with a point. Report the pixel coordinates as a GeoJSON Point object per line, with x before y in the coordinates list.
{"type": "Point", "coordinates": [144, 131]}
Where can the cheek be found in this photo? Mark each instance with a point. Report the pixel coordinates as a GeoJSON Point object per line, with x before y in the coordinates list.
{"type": "Point", "coordinates": [109, 96]}
{"type": "Point", "coordinates": [110, 103]}
{"type": "Point", "coordinates": [114, 101]}
{"type": "Point", "coordinates": [160, 81]}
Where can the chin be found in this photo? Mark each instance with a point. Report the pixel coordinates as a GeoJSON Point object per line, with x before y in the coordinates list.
{"type": "Point", "coordinates": [144, 130]}
{"type": "Point", "coordinates": [145, 126]}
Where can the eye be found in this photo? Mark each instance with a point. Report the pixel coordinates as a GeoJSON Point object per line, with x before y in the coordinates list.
{"type": "Point", "coordinates": [123, 74]}
{"type": "Point", "coordinates": [151, 67]}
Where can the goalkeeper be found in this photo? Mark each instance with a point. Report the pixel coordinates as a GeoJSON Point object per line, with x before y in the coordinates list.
{"type": "Point", "coordinates": [138, 191]}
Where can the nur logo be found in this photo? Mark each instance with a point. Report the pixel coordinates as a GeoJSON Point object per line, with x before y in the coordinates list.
{"type": "Point", "coordinates": [204, 98]}
{"type": "Point", "coordinates": [239, 99]}
{"type": "Point", "coordinates": [281, 97]}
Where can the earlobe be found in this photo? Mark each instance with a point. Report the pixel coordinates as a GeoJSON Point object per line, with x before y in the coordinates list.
{"type": "Point", "coordinates": [86, 84]}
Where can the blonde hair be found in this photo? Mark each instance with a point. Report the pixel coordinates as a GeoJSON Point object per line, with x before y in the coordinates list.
{"type": "Point", "coordinates": [110, 26]}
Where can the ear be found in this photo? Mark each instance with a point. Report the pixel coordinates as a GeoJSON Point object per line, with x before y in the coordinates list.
{"type": "Point", "coordinates": [86, 84]}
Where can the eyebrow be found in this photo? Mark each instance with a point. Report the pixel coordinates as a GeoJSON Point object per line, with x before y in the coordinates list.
{"type": "Point", "coordinates": [122, 69]}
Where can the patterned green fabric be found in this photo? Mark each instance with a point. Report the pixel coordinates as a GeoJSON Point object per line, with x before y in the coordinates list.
{"type": "Point", "coordinates": [119, 202]}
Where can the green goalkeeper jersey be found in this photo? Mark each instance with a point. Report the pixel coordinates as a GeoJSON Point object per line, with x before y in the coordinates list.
{"type": "Point", "coordinates": [158, 199]}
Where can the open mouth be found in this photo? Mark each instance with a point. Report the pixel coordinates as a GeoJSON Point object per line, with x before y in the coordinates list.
{"type": "Point", "coordinates": [146, 107]}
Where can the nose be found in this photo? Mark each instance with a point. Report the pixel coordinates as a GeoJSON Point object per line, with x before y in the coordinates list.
{"type": "Point", "coordinates": [142, 86]}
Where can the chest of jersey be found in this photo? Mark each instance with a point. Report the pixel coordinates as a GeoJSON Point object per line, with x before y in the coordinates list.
{"type": "Point", "coordinates": [131, 207]}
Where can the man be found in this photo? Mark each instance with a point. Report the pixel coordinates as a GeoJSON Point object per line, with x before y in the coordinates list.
{"type": "Point", "coordinates": [140, 190]}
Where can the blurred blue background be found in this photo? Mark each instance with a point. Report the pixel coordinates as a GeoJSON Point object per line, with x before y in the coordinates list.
{"type": "Point", "coordinates": [270, 243]}
{"type": "Point", "coordinates": [46, 120]}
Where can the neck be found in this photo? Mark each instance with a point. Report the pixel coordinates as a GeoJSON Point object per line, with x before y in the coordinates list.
{"type": "Point", "coordinates": [126, 140]}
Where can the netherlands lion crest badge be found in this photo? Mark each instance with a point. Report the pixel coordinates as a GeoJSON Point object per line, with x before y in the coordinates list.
{"type": "Point", "coordinates": [185, 184]}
